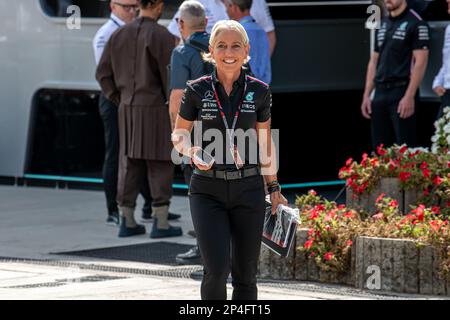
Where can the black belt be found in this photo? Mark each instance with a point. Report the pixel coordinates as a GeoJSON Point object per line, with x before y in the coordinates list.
{"type": "Point", "coordinates": [394, 84]}
{"type": "Point", "coordinates": [229, 175]}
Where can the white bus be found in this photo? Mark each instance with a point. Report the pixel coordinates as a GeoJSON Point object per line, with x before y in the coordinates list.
{"type": "Point", "coordinates": [49, 123]}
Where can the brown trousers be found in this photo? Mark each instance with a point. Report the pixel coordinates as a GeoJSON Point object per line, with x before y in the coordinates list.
{"type": "Point", "coordinates": [131, 172]}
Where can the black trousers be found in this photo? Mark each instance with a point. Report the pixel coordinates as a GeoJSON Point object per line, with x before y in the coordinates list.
{"type": "Point", "coordinates": [228, 218]}
{"type": "Point", "coordinates": [109, 115]}
{"type": "Point", "coordinates": [387, 126]}
{"type": "Point", "coordinates": [445, 102]}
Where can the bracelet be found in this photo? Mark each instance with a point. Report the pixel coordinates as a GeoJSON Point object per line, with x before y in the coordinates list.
{"type": "Point", "coordinates": [273, 186]}
{"type": "Point", "coordinates": [273, 183]}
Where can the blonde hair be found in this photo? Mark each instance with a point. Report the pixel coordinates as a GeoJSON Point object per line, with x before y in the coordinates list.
{"type": "Point", "coordinates": [224, 25]}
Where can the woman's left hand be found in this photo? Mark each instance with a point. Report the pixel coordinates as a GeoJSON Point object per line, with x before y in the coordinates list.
{"type": "Point", "coordinates": [276, 198]}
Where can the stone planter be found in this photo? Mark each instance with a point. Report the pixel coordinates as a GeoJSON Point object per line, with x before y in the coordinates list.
{"type": "Point", "coordinates": [366, 202]}
{"type": "Point", "coordinates": [398, 265]}
{"type": "Point", "coordinates": [382, 264]}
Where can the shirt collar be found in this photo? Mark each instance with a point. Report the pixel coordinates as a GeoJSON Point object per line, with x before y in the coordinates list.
{"type": "Point", "coordinates": [198, 34]}
{"type": "Point", "coordinates": [117, 19]}
{"type": "Point", "coordinates": [240, 81]}
{"type": "Point", "coordinates": [246, 19]}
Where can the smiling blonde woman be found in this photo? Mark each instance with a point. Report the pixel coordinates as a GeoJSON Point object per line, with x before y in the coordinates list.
{"type": "Point", "coordinates": [227, 194]}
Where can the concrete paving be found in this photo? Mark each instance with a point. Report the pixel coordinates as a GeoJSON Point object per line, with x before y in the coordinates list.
{"type": "Point", "coordinates": [38, 222]}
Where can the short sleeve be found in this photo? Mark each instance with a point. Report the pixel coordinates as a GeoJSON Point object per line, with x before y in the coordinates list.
{"type": "Point", "coordinates": [179, 72]}
{"type": "Point", "coordinates": [377, 41]}
{"type": "Point", "coordinates": [189, 104]}
{"type": "Point", "coordinates": [261, 13]}
{"type": "Point", "coordinates": [421, 36]}
{"type": "Point", "coordinates": [263, 113]}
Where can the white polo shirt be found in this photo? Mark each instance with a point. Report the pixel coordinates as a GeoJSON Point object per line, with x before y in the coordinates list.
{"type": "Point", "coordinates": [103, 34]}
{"type": "Point", "coordinates": [215, 11]}
{"type": "Point", "coordinates": [443, 77]}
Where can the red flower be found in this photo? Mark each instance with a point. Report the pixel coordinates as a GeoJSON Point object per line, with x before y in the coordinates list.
{"type": "Point", "coordinates": [349, 161]}
{"type": "Point", "coordinates": [403, 149]}
{"type": "Point", "coordinates": [436, 225]}
{"type": "Point", "coordinates": [328, 256]}
{"type": "Point", "coordinates": [437, 181]}
{"type": "Point", "coordinates": [320, 207]}
{"type": "Point", "coordinates": [312, 192]}
{"type": "Point", "coordinates": [393, 203]}
{"type": "Point", "coordinates": [327, 227]}
{"type": "Point", "coordinates": [374, 162]}
{"type": "Point", "coordinates": [436, 210]}
{"type": "Point", "coordinates": [314, 214]}
{"type": "Point", "coordinates": [424, 165]}
{"type": "Point", "coordinates": [310, 232]}
{"type": "Point", "coordinates": [380, 197]}
{"type": "Point", "coordinates": [426, 173]}
{"type": "Point", "coordinates": [308, 244]}
{"type": "Point", "coordinates": [404, 176]}
{"type": "Point", "coordinates": [348, 214]}
{"type": "Point", "coordinates": [349, 182]}
{"type": "Point", "coordinates": [419, 211]}
{"type": "Point", "coordinates": [349, 243]}
{"type": "Point", "coordinates": [380, 150]}
{"type": "Point", "coordinates": [341, 206]}
{"type": "Point", "coordinates": [426, 192]}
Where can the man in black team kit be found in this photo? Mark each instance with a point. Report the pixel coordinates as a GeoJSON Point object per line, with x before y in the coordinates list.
{"type": "Point", "coordinates": [395, 70]}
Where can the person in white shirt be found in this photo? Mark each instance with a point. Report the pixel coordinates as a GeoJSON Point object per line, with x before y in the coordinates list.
{"type": "Point", "coordinates": [121, 13]}
{"type": "Point", "coordinates": [441, 83]}
{"type": "Point", "coordinates": [215, 11]}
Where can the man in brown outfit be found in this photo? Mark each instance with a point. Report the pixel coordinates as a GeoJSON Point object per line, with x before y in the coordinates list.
{"type": "Point", "coordinates": [132, 73]}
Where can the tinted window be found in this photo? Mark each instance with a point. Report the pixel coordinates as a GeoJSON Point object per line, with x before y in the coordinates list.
{"type": "Point", "coordinates": [96, 8]}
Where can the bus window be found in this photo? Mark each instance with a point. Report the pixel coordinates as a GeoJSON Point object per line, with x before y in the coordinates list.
{"type": "Point", "coordinates": [314, 10]}
{"type": "Point", "coordinates": [96, 8]}
{"type": "Point", "coordinates": [89, 8]}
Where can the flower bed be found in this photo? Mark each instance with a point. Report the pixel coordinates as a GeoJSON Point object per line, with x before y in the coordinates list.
{"type": "Point", "coordinates": [410, 176]}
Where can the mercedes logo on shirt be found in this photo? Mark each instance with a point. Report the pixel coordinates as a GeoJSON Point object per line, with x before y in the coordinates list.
{"type": "Point", "coordinates": [209, 95]}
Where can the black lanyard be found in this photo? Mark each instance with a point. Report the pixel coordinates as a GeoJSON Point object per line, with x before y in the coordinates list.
{"type": "Point", "coordinates": [115, 22]}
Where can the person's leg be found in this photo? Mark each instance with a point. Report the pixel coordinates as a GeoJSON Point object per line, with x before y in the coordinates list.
{"type": "Point", "coordinates": [108, 113]}
{"type": "Point", "coordinates": [192, 256]}
{"type": "Point", "coordinates": [147, 211]}
{"type": "Point", "coordinates": [211, 223]}
{"type": "Point", "coordinates": [145, 193]}
{"type": "Point", "coordinates": [131, 172]}
{"type": "Point", "coordinates": [246, 225]}
{"type": "Point", "coordinates": [382, 129]}
{"type": "Point", "coordinates": [160, 177]}
{"type": "Point", "coordinates": [405, 129]}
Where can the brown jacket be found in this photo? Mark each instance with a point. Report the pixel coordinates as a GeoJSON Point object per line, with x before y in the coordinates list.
{"type": "Point", "coordinates": [132, 73]}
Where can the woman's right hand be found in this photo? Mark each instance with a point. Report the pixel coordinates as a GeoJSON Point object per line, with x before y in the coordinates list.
{"type": "Point", "coordinates": [199, 165]}
{"type": "Point", "coordinates": [439, 90]}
